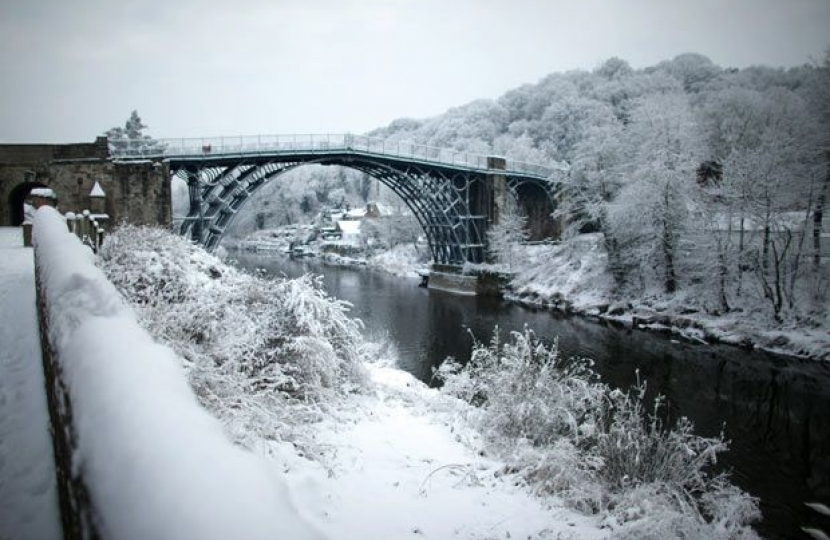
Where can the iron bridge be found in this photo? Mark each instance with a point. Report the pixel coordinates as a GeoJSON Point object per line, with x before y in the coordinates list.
{"type": "Point", "coordinates": [455, 196]}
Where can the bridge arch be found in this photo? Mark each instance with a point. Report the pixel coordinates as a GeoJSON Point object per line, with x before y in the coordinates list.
{"type": "Point", "coordinates": [442, 202]}
{"type": "Point", "coordinates": [537, 202]}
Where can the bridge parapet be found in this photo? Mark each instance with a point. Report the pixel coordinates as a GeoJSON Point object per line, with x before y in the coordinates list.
{"type": "Point", "coordinates": [323, 144]}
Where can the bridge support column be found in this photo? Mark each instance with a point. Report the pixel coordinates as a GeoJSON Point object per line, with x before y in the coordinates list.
{"type": "Point", "coordinates": [197, 210]}
{"type": "Point", "coordinates": [488, 200]}
{"type": "Point", "coordinates": [497, 185]}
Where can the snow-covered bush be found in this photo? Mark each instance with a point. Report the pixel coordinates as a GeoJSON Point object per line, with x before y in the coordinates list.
{"type": "Point", "coordinates": [252, 344]}
{"type": "Point", "coordinates": [637, 446]}
{"type": "Point", "coordinates": [602, 450]}
{"type": "Point", "coordinates": [538, 394]}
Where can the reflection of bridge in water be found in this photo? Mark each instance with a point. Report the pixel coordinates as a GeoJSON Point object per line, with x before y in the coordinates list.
{"type": "Point", "coordinates": [455, 196]}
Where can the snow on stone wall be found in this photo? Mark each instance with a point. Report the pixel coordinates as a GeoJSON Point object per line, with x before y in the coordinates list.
{"type": "Point", "coordinates": [153, 462]}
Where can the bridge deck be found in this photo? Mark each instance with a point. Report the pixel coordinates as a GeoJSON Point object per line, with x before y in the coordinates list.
{"type": "Point", "coordinates": [308, 147]}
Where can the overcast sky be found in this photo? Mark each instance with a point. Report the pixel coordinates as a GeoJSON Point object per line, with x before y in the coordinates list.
{"type": "Point", "coordinates": [73, 68]}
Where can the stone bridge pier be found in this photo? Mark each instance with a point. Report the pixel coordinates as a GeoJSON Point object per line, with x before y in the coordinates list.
{"type": "Point", "coordinates": [501, 195]}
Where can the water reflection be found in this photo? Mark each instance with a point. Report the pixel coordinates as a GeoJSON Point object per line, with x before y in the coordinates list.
{"type": "Point", "coordinates": [776, 412]}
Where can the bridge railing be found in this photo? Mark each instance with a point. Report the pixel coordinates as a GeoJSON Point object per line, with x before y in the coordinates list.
{"type": "Point", "coordinates": [308, 143]}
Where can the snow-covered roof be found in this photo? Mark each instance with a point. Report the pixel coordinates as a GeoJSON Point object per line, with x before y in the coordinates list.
{"type": "Point", "coordinates": [46, 193]}
{"type": "Point", "coordinates": [349, 226]}
{"type": "Point", "coordinates": [97, 191]}
{"type": "Point", "coordinates": [356, 212]}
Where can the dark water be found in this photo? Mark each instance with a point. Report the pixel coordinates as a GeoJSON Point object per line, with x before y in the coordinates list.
{"type": "Point", "coordinates": [776, 411]}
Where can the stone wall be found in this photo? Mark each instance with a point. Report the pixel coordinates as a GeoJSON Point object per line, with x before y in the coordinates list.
{"type": "Point", "coordinates": [137, 192]}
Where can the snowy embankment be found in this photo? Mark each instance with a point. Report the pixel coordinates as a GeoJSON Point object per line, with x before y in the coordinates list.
{"type": "Point", "coordinates": [573, 277]}
{"type": "Point", "coordinates": [403, 260]}
{"type": "Point", "coordinates": [151, 461]}
{"type": "Point", "coordinates": [519, 443]}
{"type": "Point", "coordinates": [367, 451]}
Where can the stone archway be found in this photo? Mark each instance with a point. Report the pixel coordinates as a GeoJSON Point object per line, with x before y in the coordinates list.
{"type": "Point", "coordinates": [16, 198]}
{"type": "Point", "coordinates": [536, 202]}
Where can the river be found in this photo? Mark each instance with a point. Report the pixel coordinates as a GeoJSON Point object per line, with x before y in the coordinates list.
{"type": "Point", "coordinates": [774, 410]}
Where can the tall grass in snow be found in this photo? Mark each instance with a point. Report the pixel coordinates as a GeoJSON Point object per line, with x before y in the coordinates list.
{"type": "Point", "coordinates": [603, 450]}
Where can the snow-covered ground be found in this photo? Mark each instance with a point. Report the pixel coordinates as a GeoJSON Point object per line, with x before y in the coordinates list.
{"type": "Point", "coordinates": [396, 463]}
{"type": "Point", "coordinates": [403, 260]}
{"type": "Point", "coordinates": [391, 461]}
{"type": "Point", "coordinates": [28, 494]}
{"type": "Point", "coordinates": [573, 277]}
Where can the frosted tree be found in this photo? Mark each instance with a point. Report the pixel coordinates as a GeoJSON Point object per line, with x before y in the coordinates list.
{"type": "Point", "coordinates": [818, 94]}
{"type": "Point", "coordinates": [766, 140]}
{"type": "Point", "coordinates": [504, 237]}
{"type": "Point", "coordinates": [650, 215]}
{"type": "Point", "coordinates": [131, 138]}
{"type": "Point", "coordinates": [520, 148]}
{"type": "Point", "coordinates": [595, 179]}
{"type": "Point", "coordinates": [694, 71]}
{"type": "Point", "coordinates": [595, 172]}
{"type": "Point", "coordinates": [779, 178]}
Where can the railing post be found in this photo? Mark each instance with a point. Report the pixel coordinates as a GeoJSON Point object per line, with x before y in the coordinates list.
{"type": "Point", "coordinates": [85, 225]}
{"type": "Point", "coordinates": [70, 221]}
{"type": "Point", "coordinates": [99, 240]}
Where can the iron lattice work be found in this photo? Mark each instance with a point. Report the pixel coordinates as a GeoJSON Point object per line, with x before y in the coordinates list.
{"type": "Point", "coordinates": [450, 193]}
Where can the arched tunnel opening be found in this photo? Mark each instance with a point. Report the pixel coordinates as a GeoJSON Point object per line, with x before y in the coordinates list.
{"type": "Point", "coordinates": [16, 199]}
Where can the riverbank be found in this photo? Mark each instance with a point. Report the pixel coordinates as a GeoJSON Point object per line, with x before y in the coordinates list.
{"type": "Point", "coordinates": [771, 408]}
{"type": "Point", "coordinates": [362, 449]}
{"type": "Point", "coordinates": [573, 278]}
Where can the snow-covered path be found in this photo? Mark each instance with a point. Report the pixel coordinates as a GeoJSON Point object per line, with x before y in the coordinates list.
{"type": "Point", "coordinates": [397, 467]}
{"type": "Point", "coordinates": [28, 493]}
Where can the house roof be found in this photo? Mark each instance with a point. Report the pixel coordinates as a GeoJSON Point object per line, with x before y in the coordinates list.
{"type": "Point", "coordinates": [349, 226]}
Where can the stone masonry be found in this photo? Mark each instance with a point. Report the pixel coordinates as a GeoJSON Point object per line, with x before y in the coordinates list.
{"type": "Point", "coordinates": [136, 192]}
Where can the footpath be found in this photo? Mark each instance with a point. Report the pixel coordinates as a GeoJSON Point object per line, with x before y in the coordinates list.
{"type": "Point", "coordinates": [28, 492]}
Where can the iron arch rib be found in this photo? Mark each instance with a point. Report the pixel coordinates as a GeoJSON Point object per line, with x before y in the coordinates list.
{"type": "Point", "coordinates": [441, 196]}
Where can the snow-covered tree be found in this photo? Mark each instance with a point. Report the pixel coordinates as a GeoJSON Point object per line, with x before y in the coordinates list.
{"type": "Point", "coordinates": [131, 138]}
{"type": "Point", "coordinates": [504, 237]}
{"type": "Point", "coordinates": [595, 172]}
{"type": "Point", "coordinates": [694, 71]}
{"type": "Point", "coordinates": [225, 321]}
{"type": "Point", "coordinates": [650, 214]}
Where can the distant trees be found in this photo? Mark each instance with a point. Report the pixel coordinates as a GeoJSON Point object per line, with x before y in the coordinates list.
{"type": "Point", "coordinates": [772, 173]}
{"type": "Point", "coordinates": [705, 181]}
